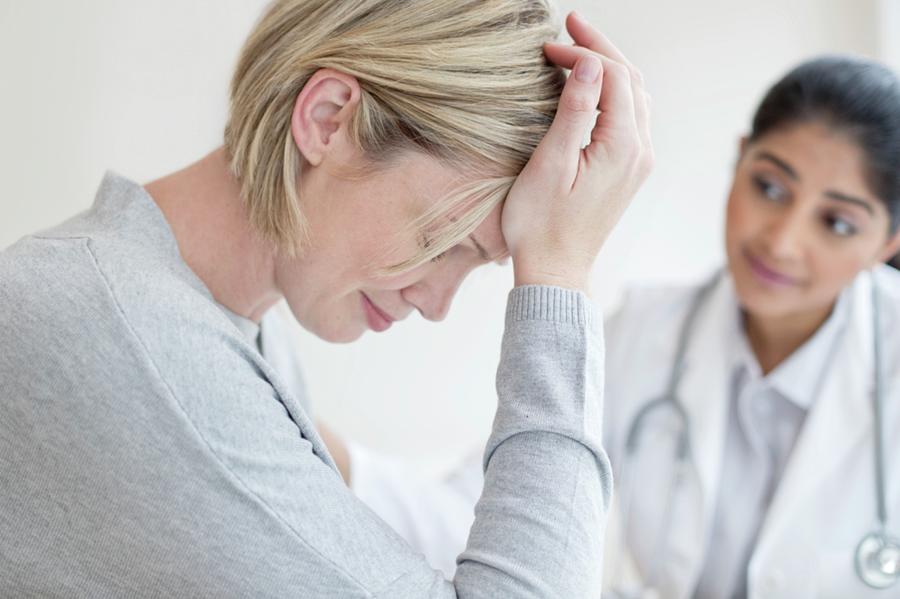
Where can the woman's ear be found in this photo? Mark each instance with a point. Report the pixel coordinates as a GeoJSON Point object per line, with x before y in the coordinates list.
{"type": "Point", "coordinates": [742, 148]}
{"type": "Point", "coordinates": [322, 112]}
{"type": "Point", "coordinates": [891, 248]}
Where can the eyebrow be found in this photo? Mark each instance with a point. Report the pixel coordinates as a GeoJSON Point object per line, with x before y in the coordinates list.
{"type": "Point", "coordinates": [834, 195]}
{"type": "Point", "coordinates": [790, 172]}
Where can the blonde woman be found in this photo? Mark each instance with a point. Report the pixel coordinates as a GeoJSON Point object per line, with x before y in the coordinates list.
{"type": "Point", "coordinates": [376, 152]}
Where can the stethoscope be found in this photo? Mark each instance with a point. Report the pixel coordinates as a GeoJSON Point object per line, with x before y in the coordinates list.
{"type": "Point", "coordinates": [877, 556]}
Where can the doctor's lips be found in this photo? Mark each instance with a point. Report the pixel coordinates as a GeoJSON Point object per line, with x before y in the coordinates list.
{"type": "Point", "coordinates": [766, 274]}
{"type": "Point", "coordinates": [378, 319]}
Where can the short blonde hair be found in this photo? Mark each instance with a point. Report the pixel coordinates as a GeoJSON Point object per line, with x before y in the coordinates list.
{"type": "Point", "coordinates": [462, 80]}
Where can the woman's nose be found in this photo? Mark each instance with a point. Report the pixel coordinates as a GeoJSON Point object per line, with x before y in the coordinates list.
{"type": "Point", "coordinates": [433, 295]}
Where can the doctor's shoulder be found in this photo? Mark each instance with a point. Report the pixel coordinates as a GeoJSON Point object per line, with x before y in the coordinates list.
{"type": "Point", "coordinates": [648, 316]}
{"type": "Point", "coordinates": [888, 281]}
{"type": "Point", "coordinates": [641, 334]}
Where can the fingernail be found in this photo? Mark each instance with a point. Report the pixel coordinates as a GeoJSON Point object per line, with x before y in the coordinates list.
{"type": "Point", "coordinates": [588, 69]}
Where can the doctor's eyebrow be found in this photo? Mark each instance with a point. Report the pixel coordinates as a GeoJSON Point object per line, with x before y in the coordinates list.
{"type": "Point", "coordinates": [834, 195]}
{"type": "Point", "coordinates": [787, 168]}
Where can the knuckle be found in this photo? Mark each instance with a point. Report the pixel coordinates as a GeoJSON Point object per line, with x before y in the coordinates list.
{"type": "Point", "coordinates": [618, 69]}
{"type": "Point", "coordinates": [630, 152]}
{"type": "Point", "coordinates": [646, 162]}
{"type": "Point", "coordinates": [553, 163]}
{"type": "Point", "coordinates": [636, 75]}
{"type": "Point", "coordinates": [577, 103]}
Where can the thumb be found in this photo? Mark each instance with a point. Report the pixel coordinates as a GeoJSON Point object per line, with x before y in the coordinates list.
{"type": "Point", "coordinates": [577, 107]}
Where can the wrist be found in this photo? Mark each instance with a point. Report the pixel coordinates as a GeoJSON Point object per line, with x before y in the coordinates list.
{"type": "Point", "coordinates": [546, 274]}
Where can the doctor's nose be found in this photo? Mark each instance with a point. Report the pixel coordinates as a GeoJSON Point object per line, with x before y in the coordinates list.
{"type": "Point", "coordinates": [786, 235]}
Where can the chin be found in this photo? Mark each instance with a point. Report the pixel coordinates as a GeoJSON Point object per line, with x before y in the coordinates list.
{"type": "Point", "coordinates": [344, 337]}
{"type": "Point", "coordinates": [346, 334]}
{"type": "Point", "coordinates": [332, 330]}
{"type": "Point", "coordinates": [768, 303]}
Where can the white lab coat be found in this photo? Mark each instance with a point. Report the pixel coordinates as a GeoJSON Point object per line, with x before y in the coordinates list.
{"type": "Point", "coordinates": [825, 501]}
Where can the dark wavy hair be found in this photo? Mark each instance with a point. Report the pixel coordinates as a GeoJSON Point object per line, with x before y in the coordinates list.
{"type": "Point", "coordinates": [855, 96]}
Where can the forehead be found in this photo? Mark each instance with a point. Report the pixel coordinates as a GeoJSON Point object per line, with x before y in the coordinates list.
{"type": "Point", "coordinates": [421, 182]}
{"type": "Point", "coordinates": [414, 182]}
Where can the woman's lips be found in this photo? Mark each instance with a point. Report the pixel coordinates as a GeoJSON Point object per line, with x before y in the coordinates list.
{"type": "Point", "coordinates": [766, 274]}
{"type": "Point", "coordinates": [378, 320]}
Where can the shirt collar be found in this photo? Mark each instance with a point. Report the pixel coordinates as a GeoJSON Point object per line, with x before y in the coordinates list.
{"type": "Point", "coordinates": [798, 378]}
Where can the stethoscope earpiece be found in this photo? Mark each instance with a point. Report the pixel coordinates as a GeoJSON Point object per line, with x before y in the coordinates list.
{"type": "Point", "coordinates": [878, 560]}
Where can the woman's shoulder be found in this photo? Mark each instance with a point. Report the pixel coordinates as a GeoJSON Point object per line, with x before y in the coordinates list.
{"type": "Point", "coordinates": [647, 323]}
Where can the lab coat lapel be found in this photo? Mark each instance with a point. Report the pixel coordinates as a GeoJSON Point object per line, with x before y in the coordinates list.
{"type": "Point", "coordinates": [704, 392]}
{"type": "Point", "coordinates": [839, 420]}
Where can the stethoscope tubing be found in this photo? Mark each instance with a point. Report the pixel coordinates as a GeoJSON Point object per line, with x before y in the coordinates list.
{"type": "Point", "coordinates": [683, 447]}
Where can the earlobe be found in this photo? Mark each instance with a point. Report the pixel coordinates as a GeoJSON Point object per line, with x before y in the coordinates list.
{"type": "Point", "coordinates": [322, 109]}
{"type": "Point", "coordinates": [891, 249]}
{"type": "Point", "coordinates": [742, 147]}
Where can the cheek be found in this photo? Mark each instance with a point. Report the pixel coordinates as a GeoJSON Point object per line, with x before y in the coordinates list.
{"type": "Point", "coordinates": [836, 264]}
{"type": "Point", "coordinates": [393, 282]}
{"type": "Point", "coordinates": [741, 222]}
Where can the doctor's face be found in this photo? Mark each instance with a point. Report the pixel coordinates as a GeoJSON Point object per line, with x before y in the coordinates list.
{"type": "Point", "coordinates": [801, 221]}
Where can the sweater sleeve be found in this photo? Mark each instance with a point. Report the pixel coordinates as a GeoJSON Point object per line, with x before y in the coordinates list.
{"type": "Point", "coordinates": [187, 469]}
{"type": "Point", "coordinates": [539, 524]}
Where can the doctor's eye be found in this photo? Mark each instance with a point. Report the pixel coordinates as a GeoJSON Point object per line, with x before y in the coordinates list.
{"type": "Point", "coordinates": [439, 257]}
{"type": "Point", "coordinates": [769, 189]}
{"type": "Point", "coordinates": [840, 226]}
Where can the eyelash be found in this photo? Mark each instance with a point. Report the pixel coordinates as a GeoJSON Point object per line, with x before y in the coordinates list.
{"type": "Point", "coordinates": [426, 243]}
{"type": "Point", "coordinates": [831, 220]}
{"type": "Point", "coordinates": [764, 186]}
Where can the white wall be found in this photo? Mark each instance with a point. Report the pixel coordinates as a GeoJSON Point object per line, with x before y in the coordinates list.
{"type": "Point", "coordinates": [889, 32]}
{"type": "Point", "coordinates": [141, 88]}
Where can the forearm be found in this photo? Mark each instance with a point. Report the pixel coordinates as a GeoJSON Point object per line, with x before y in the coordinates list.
{"type": "Point", "coordinates": [541, 516]}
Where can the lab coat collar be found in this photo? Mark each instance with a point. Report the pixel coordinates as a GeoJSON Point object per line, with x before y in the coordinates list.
{"type": "Point", "coordinates": [840, 420]}
{"type": "Point", "coordinates": [798, 377]}
{"type": "Point", "coordinates": [704, 392]}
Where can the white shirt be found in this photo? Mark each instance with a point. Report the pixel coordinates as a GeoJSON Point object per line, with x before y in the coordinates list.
{"type": "Point", "coordinates": [766, 415]}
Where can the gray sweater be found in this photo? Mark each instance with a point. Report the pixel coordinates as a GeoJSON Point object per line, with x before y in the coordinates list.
{"type": "Point", "coordinates": [147, 450]}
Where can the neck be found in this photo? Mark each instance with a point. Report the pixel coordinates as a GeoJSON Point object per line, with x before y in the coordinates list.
{"type": "Point", "coordinates": [202, 204]}
{"type": "Point", "coordinates": [774, 339]}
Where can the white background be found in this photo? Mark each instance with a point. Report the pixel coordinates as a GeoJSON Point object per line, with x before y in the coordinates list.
{"type": "Point", "coordinates": [141, 88]}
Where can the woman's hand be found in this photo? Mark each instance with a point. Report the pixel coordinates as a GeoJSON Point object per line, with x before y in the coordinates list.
{"type": "Point", "coordinates": [567, 200]}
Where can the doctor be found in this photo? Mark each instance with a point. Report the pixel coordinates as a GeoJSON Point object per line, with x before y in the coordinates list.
{"type": "Point", "coordinates": [748, 461]}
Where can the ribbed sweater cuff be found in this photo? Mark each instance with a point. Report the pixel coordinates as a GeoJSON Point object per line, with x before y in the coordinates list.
{"type": "Point", "coordinates": [555, 304]}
